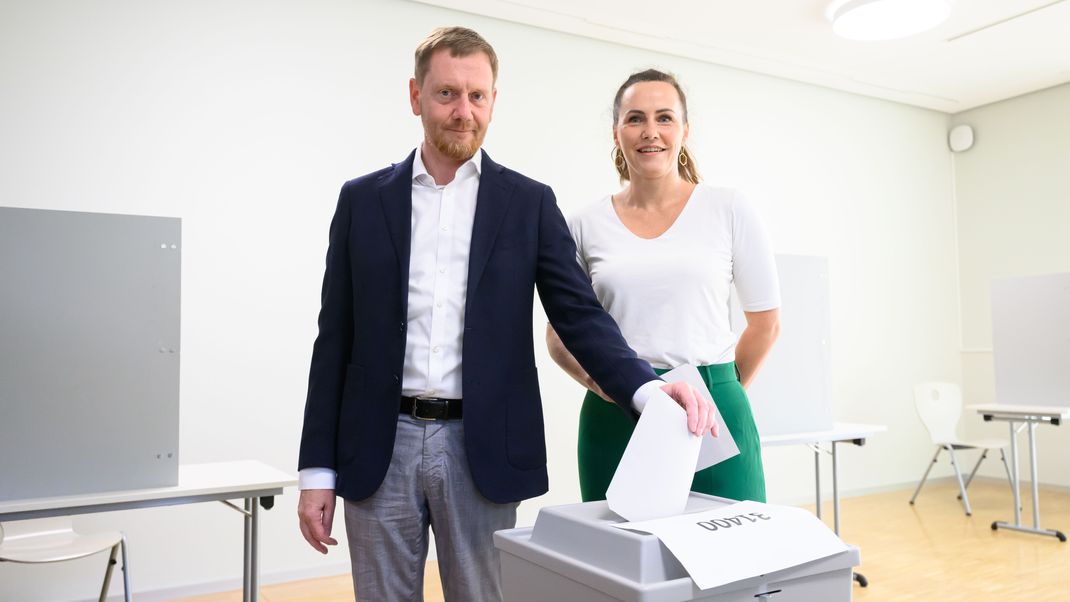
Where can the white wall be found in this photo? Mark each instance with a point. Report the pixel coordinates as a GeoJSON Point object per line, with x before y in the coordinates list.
{"type": "Point", "coordinates": [1013, 220]}
{"type": "Point", "coordinates": [244, 118]}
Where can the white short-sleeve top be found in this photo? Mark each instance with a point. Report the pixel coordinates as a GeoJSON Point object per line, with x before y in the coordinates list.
{"type": "Point", "coordinates": [670, 294]}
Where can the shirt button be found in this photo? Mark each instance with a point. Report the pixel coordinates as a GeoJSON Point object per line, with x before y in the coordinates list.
{"type": "Point", "coordinates": [441, 270]}
{"type": "Point", "coordinates": [439, 304]}
{"type": "Point", "coordinates": [444, 228]}
{"type": "Point", "coordinates": [435, 349]}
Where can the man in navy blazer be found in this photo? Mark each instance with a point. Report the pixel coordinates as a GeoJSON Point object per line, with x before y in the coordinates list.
{"type": "Point", "coordinates": [434, 260]}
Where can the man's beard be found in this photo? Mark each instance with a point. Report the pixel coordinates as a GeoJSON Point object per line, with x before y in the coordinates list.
{"type": "Point", "coordinates": [456, 150]}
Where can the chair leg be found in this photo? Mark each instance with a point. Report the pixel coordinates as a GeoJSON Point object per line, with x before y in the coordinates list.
{"type": "Point", "coordinates": [1007, 469]}
{"type": "Point", "coordinates": [107, 573]}
{"type": "Point", "coordinates": [984, 454]}
{"type": "Point", "coordinates": [962, 487]}
{"type": "Point", "coordinates": [925, 476]}
{"type": "Point", "coordinates": [126, 571]}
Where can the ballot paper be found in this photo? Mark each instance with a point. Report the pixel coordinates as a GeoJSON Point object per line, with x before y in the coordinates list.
{"type": "Point", "coordinates": [714, 449]}
{"type": "Point", "coordinates": [742, 540]}
{"type": "Point", "coordinates": [655, 473]}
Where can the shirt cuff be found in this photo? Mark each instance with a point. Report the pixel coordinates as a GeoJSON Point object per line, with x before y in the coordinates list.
{"type": "Point", "coordinates": [643, 393]}
{"type": "Point", "coordinates": [316, 478]}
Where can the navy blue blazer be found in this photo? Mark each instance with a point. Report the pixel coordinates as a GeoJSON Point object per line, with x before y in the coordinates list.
{"type": "Point", "coordinates": [520, 242]}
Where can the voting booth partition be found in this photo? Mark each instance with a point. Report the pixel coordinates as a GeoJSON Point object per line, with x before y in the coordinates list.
{"type": "Point", "coordinates": [89, 352]}
{"type": "Point", "coordinates": [574, 552]}
{"type": "Point", "coordinates": [1031, 340]}
{"type": "Point", "coordinates": [794, 392]}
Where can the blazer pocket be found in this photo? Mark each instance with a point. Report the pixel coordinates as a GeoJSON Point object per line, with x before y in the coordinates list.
{"type": "Point", "coordinates": [525, 433]}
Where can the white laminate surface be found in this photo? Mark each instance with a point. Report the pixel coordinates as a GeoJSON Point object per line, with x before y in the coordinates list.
{"type": "Point", "coordinates": [1003, 409]}
{"type": "Point", "coordinates": [193, 480]}
{"type": "Point", "coordinates": [840, 431]}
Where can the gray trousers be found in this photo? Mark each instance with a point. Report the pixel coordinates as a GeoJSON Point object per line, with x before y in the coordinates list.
{"type": "Point", "coordinates": [427, 484]}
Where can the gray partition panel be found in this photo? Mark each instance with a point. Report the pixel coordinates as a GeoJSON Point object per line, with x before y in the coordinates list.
{"type": "Point", "coordinates": [793, 391]}
{"type": "Point", "coordinates": [1031, 339]}
{"type": "Point", "coordinates": [89, 352]}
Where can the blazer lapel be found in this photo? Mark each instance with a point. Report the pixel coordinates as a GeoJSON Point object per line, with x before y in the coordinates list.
{"type": "Point", "coordinates": [492, 201]}
{"type": "Point", "coordinates": [395, 198]}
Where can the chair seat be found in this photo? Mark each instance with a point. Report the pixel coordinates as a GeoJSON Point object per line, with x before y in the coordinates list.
{"type": "Point", "coordinates": [56, 546]}
{"type": "Point", "coordinates": [975, 443]}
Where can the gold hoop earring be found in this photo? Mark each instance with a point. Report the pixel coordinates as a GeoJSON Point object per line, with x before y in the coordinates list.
{"type": "Point", "coordinates": [618, 160]}
{"type": "Point", "coordinates": [683, 158]}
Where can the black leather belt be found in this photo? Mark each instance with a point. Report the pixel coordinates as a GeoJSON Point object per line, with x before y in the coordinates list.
{"type": "Point", "coordinates": [431, 408]}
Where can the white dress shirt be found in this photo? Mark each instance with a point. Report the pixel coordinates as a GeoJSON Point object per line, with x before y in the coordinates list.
{"type": "Point", "coordinates": [442, 218]}
{"type": "Point", "coordinates": [441, 238]}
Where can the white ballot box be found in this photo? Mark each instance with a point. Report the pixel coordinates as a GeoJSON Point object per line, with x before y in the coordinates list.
{"type": "Point", "coordinates": [574, 553]}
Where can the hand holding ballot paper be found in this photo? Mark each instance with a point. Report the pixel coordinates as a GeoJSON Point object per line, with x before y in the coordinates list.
{"type": "Point", "coordinates": [651, 487]}
{"type": "Point", "coordinates": [655, 473]}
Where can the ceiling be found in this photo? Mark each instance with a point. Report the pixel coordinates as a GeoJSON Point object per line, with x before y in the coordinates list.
{"type": "Point", "coordinates": [988, 50]}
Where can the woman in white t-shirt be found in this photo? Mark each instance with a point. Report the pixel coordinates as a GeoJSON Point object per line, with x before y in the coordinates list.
{"type": "Point", "coordinates": [662, 255]}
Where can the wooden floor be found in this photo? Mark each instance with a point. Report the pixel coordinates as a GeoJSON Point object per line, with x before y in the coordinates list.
{"type": "Point", "coordinates": [930, 551]}
{"type": "Point", "coordinates": [933, 551]}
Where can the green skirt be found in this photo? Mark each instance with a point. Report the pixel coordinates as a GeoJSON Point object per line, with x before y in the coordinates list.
{"type": "Point", "coordinates": [605, 429]}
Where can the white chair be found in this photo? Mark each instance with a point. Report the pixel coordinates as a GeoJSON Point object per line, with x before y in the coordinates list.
{"type": "Point", "coordinates": [939, 406]}
{"type": "Point", "coordinates": [54, 540]}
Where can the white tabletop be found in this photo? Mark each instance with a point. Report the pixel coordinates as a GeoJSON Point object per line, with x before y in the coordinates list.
{"type": "Point", "coordinates": [840, 431]}
{"type": "Point", "coordinates": [196, 482]}
{"type": "Point", "coordinates": [1006, 409]}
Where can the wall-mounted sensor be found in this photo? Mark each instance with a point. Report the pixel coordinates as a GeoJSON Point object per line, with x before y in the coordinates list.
{"type": "Point", "coordinates": [960, 138]}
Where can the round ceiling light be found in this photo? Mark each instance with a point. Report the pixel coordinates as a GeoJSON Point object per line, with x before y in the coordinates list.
{"type": "Point", "coordinates": [872, 20]}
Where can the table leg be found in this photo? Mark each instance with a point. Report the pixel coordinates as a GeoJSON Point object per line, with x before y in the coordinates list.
{"type": "Point", "coordinates": [1031, 424]}
{"type": "Point", "coordinates": [1017, 477]}
{"type": "Point", "coordinates": [817, 476]}
{"type": "Point", "coordinates": [254, 562]}
{"type": "Point", "coordinates": [1033, 473]}
{"type": "Point", "coordinates": [859, 577]}
{"type": "Point", "coordinates": [127, 594]}
{"type": "Point", "coordinates": [246, 588]}
{"type": "Point", "coordinates": [835, 492]}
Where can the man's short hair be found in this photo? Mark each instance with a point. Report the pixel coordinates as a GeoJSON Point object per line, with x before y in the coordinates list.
{"type": "Point", "coordinates": [460, 41]}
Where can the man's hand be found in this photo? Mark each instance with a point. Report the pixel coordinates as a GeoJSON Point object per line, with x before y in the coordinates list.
{"type": "Point", "coordinates": [701, 416]}
{"type": "Point", "coordinates": [315, 512]}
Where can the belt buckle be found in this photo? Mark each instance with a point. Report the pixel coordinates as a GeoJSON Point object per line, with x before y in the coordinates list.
{"type": "Point", "coordinates": [416, 404]}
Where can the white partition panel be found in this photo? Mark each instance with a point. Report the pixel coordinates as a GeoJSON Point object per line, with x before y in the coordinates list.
{"type": "Point", "coordinates": [1031, 339]}
{"type": "Point", "coordinates": [89, 352]}
{"type": "Point", "coordinates": [792, 393]}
